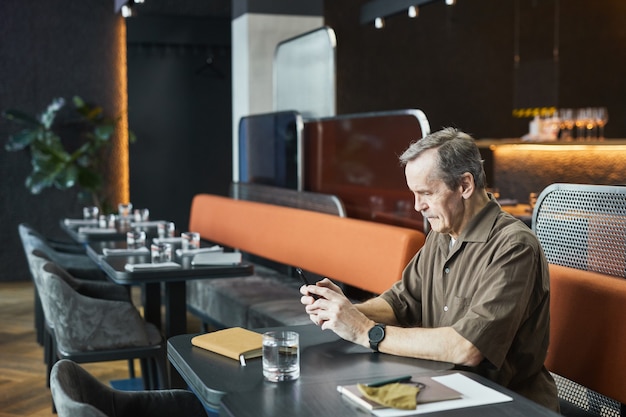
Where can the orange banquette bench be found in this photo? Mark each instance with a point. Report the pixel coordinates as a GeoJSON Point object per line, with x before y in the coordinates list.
{"type": "Point", "coordinates": [358, 253]}
{"type": "Point", "coordinates": [588, 330]}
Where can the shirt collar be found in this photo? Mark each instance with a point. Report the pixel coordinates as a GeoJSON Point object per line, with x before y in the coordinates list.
{"type": "Point", "coordinates": [479, 228]}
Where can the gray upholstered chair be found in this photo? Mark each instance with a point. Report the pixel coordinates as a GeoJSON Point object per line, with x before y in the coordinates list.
{"type": "Point", "coordinates": [76, 393]}
{"type": "Point", "coordinates": [67, 256]}
{"type": "Point", "coordinates": [78, 264]}
{"type": "Point", "coordinates": [86, 328]}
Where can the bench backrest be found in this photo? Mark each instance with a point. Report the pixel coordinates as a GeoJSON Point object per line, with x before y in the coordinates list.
{"type": "Point", "coordinates": [280, 196]}
{"type": "Point", "coordinates": [360, 253]}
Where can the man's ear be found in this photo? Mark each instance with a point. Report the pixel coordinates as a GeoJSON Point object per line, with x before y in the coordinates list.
{"type": "Point", "coordinates": [467, 185]}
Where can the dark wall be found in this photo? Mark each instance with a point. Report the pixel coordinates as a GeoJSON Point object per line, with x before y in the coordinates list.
{"type": "Point", "coordinates": [179, 97]}
{"type": "Point", "coordinates": [51, 49]}
{"type": "Point", "coordinates": [456, 63]}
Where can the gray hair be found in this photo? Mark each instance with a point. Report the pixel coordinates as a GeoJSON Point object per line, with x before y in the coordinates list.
{"type": "Point", "coordinates": [457, 153]}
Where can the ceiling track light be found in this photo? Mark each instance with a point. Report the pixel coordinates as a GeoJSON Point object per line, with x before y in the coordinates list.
{"type": "Point", "coordinates": [379, 23]}
{"type": "Point", "coordinates": [125, 7]}
{"type": "Point", "coordinates": [450, 2]}
{"type": "Point", "coordinates": [126, 11]}
{"type": "Point", "coordinates": [374, 10]}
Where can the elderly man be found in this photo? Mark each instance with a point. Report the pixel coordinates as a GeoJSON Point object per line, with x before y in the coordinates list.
{"type": "Point", "coordinates": [476, 294]}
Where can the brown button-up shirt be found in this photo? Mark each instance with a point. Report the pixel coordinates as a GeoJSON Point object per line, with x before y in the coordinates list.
{"type": "Point", "coordinates": [492, 286]}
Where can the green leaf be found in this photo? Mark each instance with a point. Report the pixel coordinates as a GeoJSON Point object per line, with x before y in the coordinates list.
{"type": "Point", "coordinates": [37, 181]}
{"type": "Point", "coordinates": [47, 117]}
{"type": "Point", "coordinates": [21, 140]}
{"type": "Point", "coordinates": [104, 132]}
{"type": "Point", "coordinates": [21, 117]}
{"type": "Point", "coordinates": [89, 180]}
{"type": "Point", "coordinates": [67, 177]}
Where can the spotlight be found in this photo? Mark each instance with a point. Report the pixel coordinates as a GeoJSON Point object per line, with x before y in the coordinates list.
{"type": "Point", "coordinates": [379, 23]}
{"type": "Point", "coordinates": [413, 11]}
{"type": "Point", "coordinates": [126, 11]}
{"type": "Point", "coordinates": [450, 2]}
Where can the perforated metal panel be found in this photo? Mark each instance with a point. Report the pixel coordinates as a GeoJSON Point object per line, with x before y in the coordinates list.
{"type": "Point", "coordinates": [590, 401]}
{"type": "Point", "coordinates": [584, 227]}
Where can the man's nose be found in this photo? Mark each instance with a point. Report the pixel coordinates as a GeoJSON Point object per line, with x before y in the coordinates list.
{"type": "Point", "coordinates": [420, 204]}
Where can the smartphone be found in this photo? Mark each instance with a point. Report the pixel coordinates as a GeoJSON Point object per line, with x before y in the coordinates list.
{"type": "Point", "coordinates": [306, 281]}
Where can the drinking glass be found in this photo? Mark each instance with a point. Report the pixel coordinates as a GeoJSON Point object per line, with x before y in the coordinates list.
{"type": "Point", "coordinates": [601, 117]}
{"type": "Point", "coordinates": [591, 124]}
{"type": "Point", "coordinates": [580, 123]}
{"type": "Point", "coordinates": [136, 239]}
{"type": "Point", "coordinates": [161, 252]}
{"type": "Point", "coordinates": [281, 355]}
{"type": "Point", "coordinates": [124, 210]}
{"type": "Point", "coordinates": [190, 241]}
{"type": "Point", "coordinates": [166, 229]}
{"type": "Point", "coordinates": [91, 212]}
{"type": "Point", "coordinates": [567, 123]}
{"type": "Point", "coordinates": [141, 215]}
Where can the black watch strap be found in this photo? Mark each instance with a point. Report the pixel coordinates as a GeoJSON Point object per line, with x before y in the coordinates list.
{"type": "Point", "coordinates": [376, 335]}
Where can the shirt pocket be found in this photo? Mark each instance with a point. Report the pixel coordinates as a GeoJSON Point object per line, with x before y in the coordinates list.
{"type": "Point", "coordinates": [460, 305]}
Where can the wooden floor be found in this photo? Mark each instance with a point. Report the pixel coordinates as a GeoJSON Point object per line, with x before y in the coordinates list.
{"type": "Point", "coordinates": [23, 390]}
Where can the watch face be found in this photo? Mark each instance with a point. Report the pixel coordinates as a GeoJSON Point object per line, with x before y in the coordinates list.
{"type": "Point", "coordinates": [376, 334]}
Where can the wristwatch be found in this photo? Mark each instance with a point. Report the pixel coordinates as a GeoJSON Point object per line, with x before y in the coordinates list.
{"type": "Point", "coordinates": [376, 335]}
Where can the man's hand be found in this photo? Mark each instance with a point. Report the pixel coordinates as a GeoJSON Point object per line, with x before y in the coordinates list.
{"type": "Point", "coordinates": [334, 311]}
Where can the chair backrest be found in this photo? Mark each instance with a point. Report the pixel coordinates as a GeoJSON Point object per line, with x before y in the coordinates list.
{"type": "Point", "coordinates": [82, 323]}
{"type": "Point", "coordinates": [582, 230]}
{"type": "Point", "coordinates": [583, 226]}
{"type": "Point", "coordinates": [73, 389]}
{"type": "Point", "coordinates": [76, 393]}
{"type": "Point", "coordinates": [305, 200]}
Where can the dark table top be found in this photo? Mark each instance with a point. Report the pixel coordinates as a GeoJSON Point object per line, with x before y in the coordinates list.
{"type": "Point", "coordinates": [324, 359]}
{"type": "Point", "coordinates": [114, 267]}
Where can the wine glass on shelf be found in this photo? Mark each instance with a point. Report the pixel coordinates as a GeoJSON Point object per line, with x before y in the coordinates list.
{"type": "Point", "coordinates": [566, 123]}
{"type": "Point", "coordinates": [601, 117]}
{"type": "Point", "coordinates": [580, 122]}
{"type": "Point", "coordinates": [590, 124]}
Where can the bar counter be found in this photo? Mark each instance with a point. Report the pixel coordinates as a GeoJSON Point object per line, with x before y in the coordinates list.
{"type": "Point", "coordinates": [517, 168]}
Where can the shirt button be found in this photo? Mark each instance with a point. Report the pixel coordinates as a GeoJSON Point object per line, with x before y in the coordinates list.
{"type": "Point", "coordinates": [446, 270]}
{"type": "Point", "coordinates": [445, 308]}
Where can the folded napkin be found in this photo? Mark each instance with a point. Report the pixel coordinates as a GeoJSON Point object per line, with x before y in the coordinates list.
{"type": "Point", "coordinates": [149, 266]}
{"type": "Point", "coordinates": [125, 251]}
{"type": "Point", "coordinates": [151, 223]}
{"type": "Point", "coordinates": [97, 230]}
{"type": "Point", "coordinates": [190, 252]}
{"type": "Point", "coordinates": [80, 222]}
{"type": "Point", "coordinates": [396, 395]}
{"type": "Point", "coordinates": [167, 239]}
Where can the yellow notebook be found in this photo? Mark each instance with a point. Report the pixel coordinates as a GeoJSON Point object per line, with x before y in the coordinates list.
{"type": "Point", "coordinates": [235, 342]}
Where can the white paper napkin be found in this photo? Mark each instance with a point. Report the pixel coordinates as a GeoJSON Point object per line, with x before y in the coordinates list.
{"type": "Point", "coordinates": [150, 266]}
{"type": "Point", "coordinates": [191, 252]}
{"type": "Point", "coordinates": [80, 222]}
{"type": "Point", "coordinates": [125, 251]}
{"type": "Point", "coordinates": [150, 223]}
{"type": "Point", "coordinates": [167, 239]}
{"type": "Point", "coordinates": [97, 230]}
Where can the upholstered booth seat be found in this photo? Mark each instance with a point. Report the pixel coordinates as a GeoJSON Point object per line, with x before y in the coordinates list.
{"type": "Point", "coordinates": [230, 301]}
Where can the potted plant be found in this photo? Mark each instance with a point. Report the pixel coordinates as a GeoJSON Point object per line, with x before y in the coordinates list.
{"type": "Point", "coordinates": [76, 160]}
